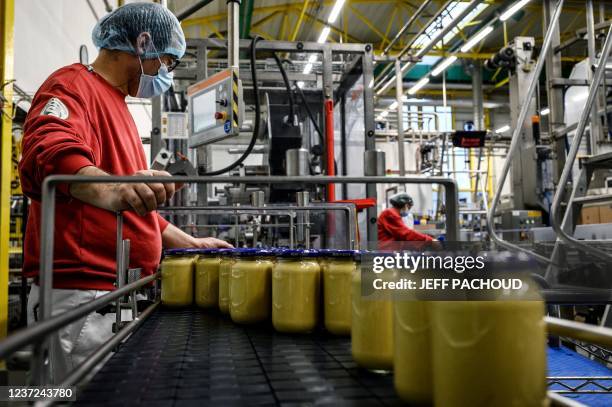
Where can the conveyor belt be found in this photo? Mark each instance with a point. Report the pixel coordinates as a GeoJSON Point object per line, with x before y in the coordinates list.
{"type": "Point", "coordinates": [188, 357]}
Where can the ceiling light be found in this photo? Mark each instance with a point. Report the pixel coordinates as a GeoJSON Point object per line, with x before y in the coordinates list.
{"type": "Point", "coordinates": [477, 38]}
{"type": "Point", "coordinates": [544, 111]}
{"type": "Point", "coordinates": [393, 106]}
{"type": "Point", "coordinates": [502, 129]}
{"type": "Point", "coordinates": [442, 66]}
{"type": "Point", "coordinates": [335, 11]}
{"type": "Point", "coordinates": [312, 58]}
{"type": "Point", "coordinates": [418, 86]}
{"type": "Point", "coordinates": [300, 84]}
{"type": "Point", "coordinates": [513, 9]}
{"type": "Point", "coordinates": [324, 34]}
{"type": "Point", "coordinates": [308, 68]}
{"type": "Point", "coordinates": [384, 113]}
{"type": "Point", "coordinates": [371, 83]}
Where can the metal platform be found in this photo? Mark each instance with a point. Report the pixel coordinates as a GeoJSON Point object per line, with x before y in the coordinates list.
{"type": "Point", "coordinates": [188, 357]}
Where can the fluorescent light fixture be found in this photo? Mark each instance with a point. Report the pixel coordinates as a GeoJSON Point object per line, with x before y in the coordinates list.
{"type": "Point", "coordinates": [308, 68]}
{"type": "Point", "coordinates": [312, 58]}
{"type": "Point", "coordinates": [544, 111]}
{"type": "Point", "coordinates": [371, 83]}
{"type": "Point", "coordinates": [300, 84]}
{"type": "Point", "coordinates": [513, 9]}
{"type": "Point", "coordinates": [384, 113]}
{"type": "Point", "coordinates": [502, 129]}
{"type": "Point", "coordinates": [324, 34]}
{"type": "Point", "coordinates": [335, 11]}
{"type": "Point", "coordinates": [393, 105]}
{"type": "Point", "coordinates": [443, 65]}
{"type": "Point", "coordinates": [418, 86]}
{"type": "Point", "coordinates": [477, 38]}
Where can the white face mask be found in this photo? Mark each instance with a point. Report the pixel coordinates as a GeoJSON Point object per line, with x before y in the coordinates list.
{"type": "Point", "coordinates": [408, 220]}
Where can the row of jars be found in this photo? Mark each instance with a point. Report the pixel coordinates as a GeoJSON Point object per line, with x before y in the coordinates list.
{"type": "Point", "coordinates": [254, 285]}
{"type": "Point", "coordinates": [449, 353]}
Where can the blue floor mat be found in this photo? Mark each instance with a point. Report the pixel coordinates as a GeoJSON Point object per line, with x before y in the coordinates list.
{"type": "Point", "coordinates": [564, 362]}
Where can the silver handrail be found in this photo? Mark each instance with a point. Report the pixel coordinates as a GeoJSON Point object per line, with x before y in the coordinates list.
{"type": "Point", "coordinates": [514, 144]}
{"type": "Point", "coordinates": [557, 222]}
{"type": "Point", "coordinates": [280, 210]}
{"type": "Point", "coordinates": [41, 347]}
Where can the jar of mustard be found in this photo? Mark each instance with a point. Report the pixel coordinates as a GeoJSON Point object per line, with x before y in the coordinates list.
{"type": "Point", "coordinates": [371, 319]}
{"type": "Point", "coordinates": [250, 286]}
{"type": "Point", "coordinates": [225, 268]}
{"type": "Point", "coordinates": [295, 291]}
{"type": "Point", "coordinates": [207, 278]}
{"type": "Point", "coordinates": [177, 269]}
{"type": "Point", "coordinates": [500, 344]}
{"type": "Point", "coordinates": [338, 269]}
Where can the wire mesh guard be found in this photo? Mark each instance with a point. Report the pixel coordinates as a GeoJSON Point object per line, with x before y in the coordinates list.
{"type": "Point", "coordinates": [188, 357]}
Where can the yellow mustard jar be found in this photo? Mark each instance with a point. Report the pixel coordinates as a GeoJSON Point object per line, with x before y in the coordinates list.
{"type": "Point", "coordinates": [501, 345]}
{"type": "Point", "coordinates": [177, 278]}
{"type": "Point", "coordinates": [338, 270]}
{"type": "Point", "coordinates": [295, 291]}
{"type": "Point", "coordinates": [371, 320]}
{"type": "Point", "coordinates": [207, 278]}
{"type": "Point", "coordinates": [250, 286]}
{"type": "Point", "coordinates": [225, 270]}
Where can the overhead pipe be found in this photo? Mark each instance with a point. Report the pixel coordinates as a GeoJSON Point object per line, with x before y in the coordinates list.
{"type": "Point", "coordinates": [403, 30]}
{"type": "Point", "coordinates": [192, 9]}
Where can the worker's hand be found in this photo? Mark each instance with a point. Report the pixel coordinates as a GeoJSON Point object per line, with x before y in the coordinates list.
{"type": "Point", "coordinates": [211, 243]}
{"type": "Point", "coordinates": [144, 197]}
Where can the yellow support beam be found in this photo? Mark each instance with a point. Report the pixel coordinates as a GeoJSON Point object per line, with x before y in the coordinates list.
{"type": "Point", "coordinates": [393, 14]}
{"type": "Point", "coordinates": [266, 19]}
{"type": "Point", "coordinates": [7, 23]}
{"type": "Point", "coordinates": [368, 23]}
{"type": "Point", "coordinates": [296, 30]}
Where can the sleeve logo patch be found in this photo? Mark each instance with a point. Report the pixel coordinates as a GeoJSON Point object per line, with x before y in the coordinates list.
{"type": "Point", "coordinates": [55, 107]}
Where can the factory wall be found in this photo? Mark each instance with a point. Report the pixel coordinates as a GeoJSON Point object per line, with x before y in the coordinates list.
{"type": "Point", "coordinates": [48, 35]}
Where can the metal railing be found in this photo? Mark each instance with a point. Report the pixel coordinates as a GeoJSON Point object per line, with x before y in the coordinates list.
{"type": "Point", "coordinates": [515, 140]}
{"type": "Point", "coordinates": [37, 334]}
{"type": "Point", "coordinates": [286, 210]}
{"type": "Point", "coordinates": [557, 221]}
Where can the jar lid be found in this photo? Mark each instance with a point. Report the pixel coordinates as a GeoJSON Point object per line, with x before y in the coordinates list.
{"type": "Point", "coordinates": [181, 252]}
{"type": "Point", "coordinates": [343, 253]}
{"type": "Point", "coordinates": [297, 253]}
{"type": "Point", "coordinates": [252, 252]}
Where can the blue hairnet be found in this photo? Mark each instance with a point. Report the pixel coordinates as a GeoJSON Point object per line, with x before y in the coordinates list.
{"type": "Point", "coordinates": [119, 30]}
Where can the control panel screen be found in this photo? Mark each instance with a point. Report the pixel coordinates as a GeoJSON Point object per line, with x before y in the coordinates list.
{"type": "Point", "coordinates": [204, 108]}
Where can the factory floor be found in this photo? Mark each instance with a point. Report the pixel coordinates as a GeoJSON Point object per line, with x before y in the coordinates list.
{"type": "Point", "coordinates": [192, 358]}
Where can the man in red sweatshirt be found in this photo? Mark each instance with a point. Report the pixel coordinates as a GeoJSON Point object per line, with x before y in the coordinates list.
{"type": "Point", "coordinates": [79, 123]}
{"type": "Point", "coordinates": [391, 226]}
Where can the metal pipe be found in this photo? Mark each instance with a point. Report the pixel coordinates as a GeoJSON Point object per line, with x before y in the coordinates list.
{"type": "Point", "coordinates": [595, 131]}
{"type": "Point", "coordinates": [557, 400]}
{"type": "Point", "coordinates": [557, 222]}
{"type": "Point", "coordinates": [233, 34]}
{"type": "Point", "coordinates": [597, 335]}
{"type": "Point", "coordinates": [399, 99]}
{"type": "Point", "coordinates": [39, 330]}
{"type": "Point", "coordinates": [192, 9]}
{"type": "Point", "coordinates": [514, 144]}
{"type": "Point", "coordinates": [403, 30]}
{"type": "Point", "coordinates": [99, 354]}
{"type": "Point", "coordinates": [432, 43]}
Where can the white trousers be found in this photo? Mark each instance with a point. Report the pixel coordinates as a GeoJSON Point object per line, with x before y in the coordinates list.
{"type": "Point", "coordinates": [71, 345]}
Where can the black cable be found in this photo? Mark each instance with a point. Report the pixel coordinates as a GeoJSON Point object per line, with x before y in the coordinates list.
{"type": "Point", "coordinates": [257, 116]}
{"type": "Point", "coordinates": [289, 92]}
{"type": "Point", "coordinates": [310, 114]}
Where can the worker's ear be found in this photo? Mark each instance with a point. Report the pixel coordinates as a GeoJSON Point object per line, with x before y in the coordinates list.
{"type": "Point", "coordinates": [143, 43]}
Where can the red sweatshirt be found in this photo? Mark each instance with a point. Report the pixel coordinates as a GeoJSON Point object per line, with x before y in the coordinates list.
{"type": "Point", "coordinates": [77, 119]}
{"type": "Point", "coordinates": [391, 228]}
